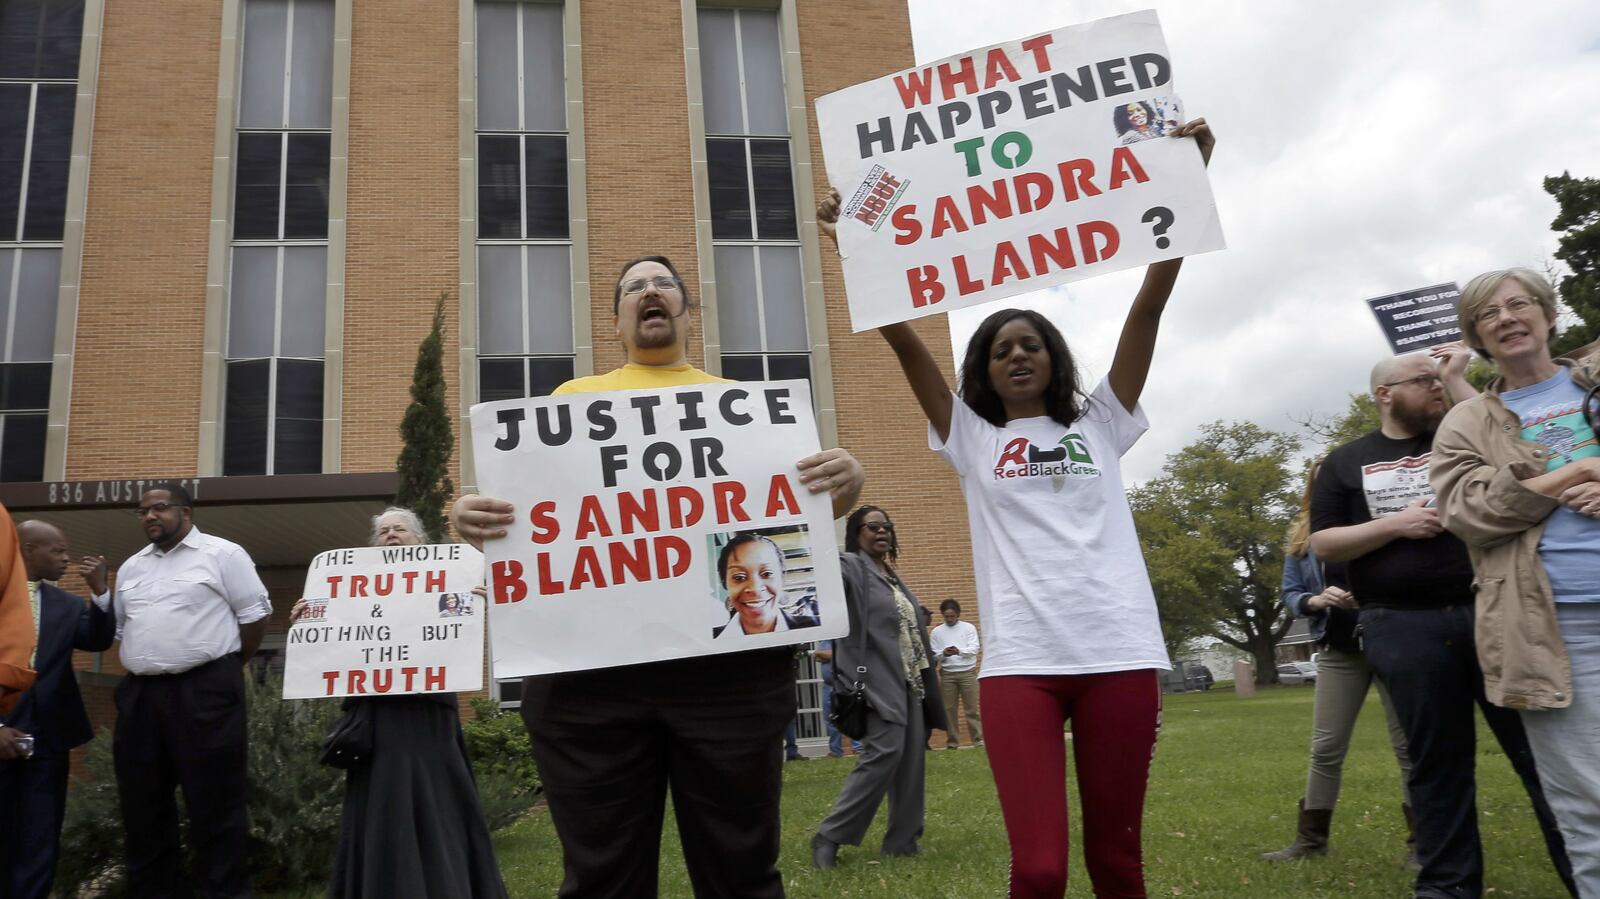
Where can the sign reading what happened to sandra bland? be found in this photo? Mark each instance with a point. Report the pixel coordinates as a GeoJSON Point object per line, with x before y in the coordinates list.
{"type": "Point", "coordinates": [388, 620]}
{"type": "Point", "coordinates": [1013, 168]}
{"type": "Point", "coordinates": [655, 524]}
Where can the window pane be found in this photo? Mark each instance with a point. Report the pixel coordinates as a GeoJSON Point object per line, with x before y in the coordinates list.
{"type": "Point", "coordinates": [497, 66]}
{"type": "Point", "coordinates": [784, 368]}
{"type": "Point", "coordinates": [298, 437]}
{"type": "Point", "coordinates": [244, 430]}
{"type": "Point", "coordinates": [8, 258]}
{"type": "Point", "coordinates": [38, 284]}
{"type": "Point", "coordinates": [261, 75]}
{"type": "Point", "coordinates": [252, 302]}
{"type": "Point", "coordinates": [311, 65]}
{"type": "Point", "coordinates": [305, 210]}
{"type": "Point", "coordinates": [50, 160]}
{"type": "Point", "coordinates": [763, 71]}
{"type": "Point", "coordinates": [774, 186]}
{"type": "Point", "coordinates": [14, 100]}
{"type": "Point", "coordinates": [255, 202]}
{"type": "Point", "coordinates": [547, 187]}
{"type": "Point", "coordinates": [730, 190]}
{"type": "Point", "coordinates": [510, 690]}
{"type": "Point", "coordinates": [544, 76]}
{"type": "Point", "coordinates": [719, 72]}
{"type": "Point", "coordinates": [783, 299]}
{"type": "Point", "coordinates": [305, 292]}
{"type": "Point", "coordinates": [549, 300]}
{"type": "Point", "coordinates": [547, 373]}
{"type": "Point", "coordinates": [500, 379]}
{"type": "Point", "coordinates": [22, 447]}
{"type": "Point", "coordinates": [499, 186]}
{"type": "Point", "coordinates": [25, 387]}
{"type": "Point", "coordinates": [737, 316]}
{"type": "Point", "coordinates": [743, 368]}
{"type": "Point", "coordinates": [500, 301]}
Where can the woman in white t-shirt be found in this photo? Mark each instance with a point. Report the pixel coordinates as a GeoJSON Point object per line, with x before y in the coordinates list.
{"type": "Point", "coordinates": [1066, 604]}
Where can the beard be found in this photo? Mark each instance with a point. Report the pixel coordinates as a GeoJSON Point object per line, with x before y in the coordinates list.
{"type": "Point", "coordinates": [1417, 420]}
{"type": "Point", "coordinates": [655, 339]}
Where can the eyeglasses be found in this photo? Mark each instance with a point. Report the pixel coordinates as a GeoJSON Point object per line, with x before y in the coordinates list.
{"type": "Point", "coordinates": [158, 508]}
{"type": "Point", "coordinates": [1427, 381]}
{"type": "Point", "coordinates": [663, 283]}
{"type": "Point", "coordinates": [1488, 315]}
{"type": "Point", "coordinates": [879, 527]}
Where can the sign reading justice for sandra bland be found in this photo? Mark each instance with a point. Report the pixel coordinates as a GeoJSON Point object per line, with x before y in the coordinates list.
{"type": "Point", "coordinates": [655, 524]}
{"type": "Point", "coordinates": [1012, 168]}
{"type": "Point", "coordinates": [388, 620]}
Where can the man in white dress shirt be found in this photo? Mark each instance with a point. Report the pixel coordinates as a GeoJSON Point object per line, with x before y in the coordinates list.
{"type": "Point", "coordinates": [955, 648]}
{"type": "Point", "coordinates": [191, 611]}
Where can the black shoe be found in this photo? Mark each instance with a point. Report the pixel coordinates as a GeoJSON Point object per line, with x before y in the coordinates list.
{"type": "Point", "coordinates": [824, 853]}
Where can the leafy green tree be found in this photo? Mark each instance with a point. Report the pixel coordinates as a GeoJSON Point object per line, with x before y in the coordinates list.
{"type": "Point", "coordinates": [424, 463]}
{"type": "Point", "coordinates": [1579, 247]}
{"type": "Point", "coordinates": [1212, 527]}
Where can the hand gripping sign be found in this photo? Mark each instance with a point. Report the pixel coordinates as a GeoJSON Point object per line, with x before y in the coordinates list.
{"type": "Point", "coordinates": [388, 620]}
{"type": "Point", "coordinates": [655, 524]}
{"type": "Point", "coordinates": [1013, 168]}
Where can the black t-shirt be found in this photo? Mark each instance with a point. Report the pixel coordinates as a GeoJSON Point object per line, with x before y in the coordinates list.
{"type": "Point", "coordinates": [1375, 477]}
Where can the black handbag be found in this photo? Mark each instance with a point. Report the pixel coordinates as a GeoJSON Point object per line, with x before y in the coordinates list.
{"type": "Point", "coordinates": [349, 743]}
{"type": "Point", "coordinates": [849, 712]}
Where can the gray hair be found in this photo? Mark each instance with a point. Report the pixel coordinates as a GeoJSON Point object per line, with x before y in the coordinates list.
{"type": "Point", "coordinates": [406, 515]}
{"type": "Point", "coordinates": [1478, 291]}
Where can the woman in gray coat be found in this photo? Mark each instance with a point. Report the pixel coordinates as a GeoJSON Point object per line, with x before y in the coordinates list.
{"type": "Point", "coordinates": [888, 640]}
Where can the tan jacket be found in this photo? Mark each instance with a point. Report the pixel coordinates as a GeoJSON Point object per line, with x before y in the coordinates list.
{"type": "Point", "coordinates": [1479, 460]}
{"type": "Point", "coordinates": [17, 631]}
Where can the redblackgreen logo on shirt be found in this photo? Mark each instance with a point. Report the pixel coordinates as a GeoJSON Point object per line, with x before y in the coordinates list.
{"type": "Point", "coordinates": [1022, 459]}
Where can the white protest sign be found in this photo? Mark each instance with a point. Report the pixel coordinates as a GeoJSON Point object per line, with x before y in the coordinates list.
{"type": "Point", "coordinates": [1012, 168]}
{"type": "Point", "coordinates": [388, 620]}
{"type": "Point", "coordinates": [655, 524]}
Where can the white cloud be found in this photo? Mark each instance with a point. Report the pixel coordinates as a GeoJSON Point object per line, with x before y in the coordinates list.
{"type": "Point", "coordinates": [1363, 148]}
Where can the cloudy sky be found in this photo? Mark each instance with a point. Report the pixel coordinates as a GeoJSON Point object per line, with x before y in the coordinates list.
{"type": "Point", "coordinates": [1364, 148]}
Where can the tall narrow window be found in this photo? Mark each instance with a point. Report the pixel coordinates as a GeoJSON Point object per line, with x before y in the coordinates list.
{"type": "Point", "coordinates": [754, 225]}
{"type": "Point", "coordinates": [525, 337]}
{"type": "Point", "coordinates": [277, 292]}
{"type": "Point", "coordinates": [39, 44]}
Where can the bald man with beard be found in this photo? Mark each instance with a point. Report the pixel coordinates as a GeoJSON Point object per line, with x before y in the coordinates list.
{"type": "Point", "coordinates": [1372, 509]}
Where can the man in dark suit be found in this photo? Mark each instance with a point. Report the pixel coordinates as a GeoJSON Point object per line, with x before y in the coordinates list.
{"type": "Point", "coordinates": [33, 788]}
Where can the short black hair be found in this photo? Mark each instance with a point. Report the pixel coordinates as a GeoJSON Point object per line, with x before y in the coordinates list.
{"type": "Point", "coordinates": [950, 604]}
{"type": "Point", "coordinates": [1061, 393]}
{"type": "Point", "coordinates": [616, 290]}
{"type": "Point", "coordinates": [176, 493]}
{"type": "Point", "coordinates": [740, 539]}
{"type": "Point", "coordinates": [852, 527]}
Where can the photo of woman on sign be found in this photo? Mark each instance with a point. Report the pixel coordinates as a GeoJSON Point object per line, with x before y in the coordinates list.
{"type": "Point", "coordinates": [751, 576]}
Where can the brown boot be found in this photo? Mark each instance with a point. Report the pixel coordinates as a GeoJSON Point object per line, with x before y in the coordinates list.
{"type": "Point", "coordinates": [1412, 862]}
{"type": "Point", "coordinates": [1310, 836]}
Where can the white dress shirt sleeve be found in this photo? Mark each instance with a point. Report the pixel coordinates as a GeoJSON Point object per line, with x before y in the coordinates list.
{"type": "Point", "coordinates": [242, 587]}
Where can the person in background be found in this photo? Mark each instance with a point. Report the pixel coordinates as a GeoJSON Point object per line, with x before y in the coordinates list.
{"type": "Point", "coordinates": [955, 648]}
{"type": "Point", "coordinates": [1517, 472]}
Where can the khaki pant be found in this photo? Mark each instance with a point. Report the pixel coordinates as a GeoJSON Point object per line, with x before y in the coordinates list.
{"type": "Point", "coordinates": [963, 684]}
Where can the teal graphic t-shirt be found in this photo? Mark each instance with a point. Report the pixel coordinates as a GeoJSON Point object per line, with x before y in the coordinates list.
{"type": "Point", "coordinates": [1552, 416]}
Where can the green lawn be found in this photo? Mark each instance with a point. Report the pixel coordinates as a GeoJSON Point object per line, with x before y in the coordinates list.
{"type": "Point", "coordinates": [1227, 774]}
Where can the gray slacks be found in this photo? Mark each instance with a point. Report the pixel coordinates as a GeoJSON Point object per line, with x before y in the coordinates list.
{"type": "Point", "coordinates": [893, 761]}
{"type": "Point", "coordinates": [1343, 679]}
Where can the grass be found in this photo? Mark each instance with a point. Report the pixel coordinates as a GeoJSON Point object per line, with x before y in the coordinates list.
{"type": "Point", "coordinates": [1227, 775]}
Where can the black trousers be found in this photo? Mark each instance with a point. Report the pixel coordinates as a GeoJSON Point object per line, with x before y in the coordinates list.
{"type": "Point", "coordinates": [1428, 660]}
{"type": "Point", "coordinates": [184, 731]}
{"type": "Point", "coordinates": [610, 743]}
{"type": "Point", "coordinates": [33, 794]}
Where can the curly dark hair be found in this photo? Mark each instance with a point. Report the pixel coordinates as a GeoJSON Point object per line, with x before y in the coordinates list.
{"type": "Point", "coordinates": [616, 290]}
{"type": "Point", "coordinates": [1062, 396]}
{"type": "Point", "coordinates": [1119, 117]}
{"type": "Point", "coordinates": [740, 539]}
{"type": "Point", "coordinates": [852, 527]}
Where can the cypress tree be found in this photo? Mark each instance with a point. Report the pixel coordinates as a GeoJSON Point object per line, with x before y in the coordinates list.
{"type": "Point", "coordinates": [424, 463]}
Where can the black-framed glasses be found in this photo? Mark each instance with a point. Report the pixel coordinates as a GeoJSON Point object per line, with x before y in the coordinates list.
{"type": "Point", "coordinates": [158, 508]}
{"type": "Point", "coordinates": [1425, 380]}
{"type": "Point", "coordinates": [878, 527]}
{"type": "Point", "coordinates": [663, 283]}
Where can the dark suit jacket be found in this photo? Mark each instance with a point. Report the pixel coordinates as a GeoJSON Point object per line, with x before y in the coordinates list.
{"type": "Point", "coordinates": [53, 710]}
{"type": "Point", "coordinates": [874, 643]}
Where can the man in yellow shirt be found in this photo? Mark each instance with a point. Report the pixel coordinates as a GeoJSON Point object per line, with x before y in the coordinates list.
{"type": "Point", "coordinates": [609, 742]}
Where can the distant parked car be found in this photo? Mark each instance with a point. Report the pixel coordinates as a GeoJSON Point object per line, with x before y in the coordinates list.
{"type": "Point", "coordinates": [1198, 676]}
{"type": "Point", "coordinates": [1297, 673]}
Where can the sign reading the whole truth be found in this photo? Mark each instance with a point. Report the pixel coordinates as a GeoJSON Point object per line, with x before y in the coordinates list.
{"type": "Point", "coordinates": [1013, 168]}
{"type": "Point", "coordinates": [388, 620]}
{"type": "Point", "coordinates": [655, 524]}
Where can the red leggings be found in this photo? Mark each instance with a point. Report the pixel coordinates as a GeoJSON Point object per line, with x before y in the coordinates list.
{"type": "Point", "coordinates": [1115, 718]}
